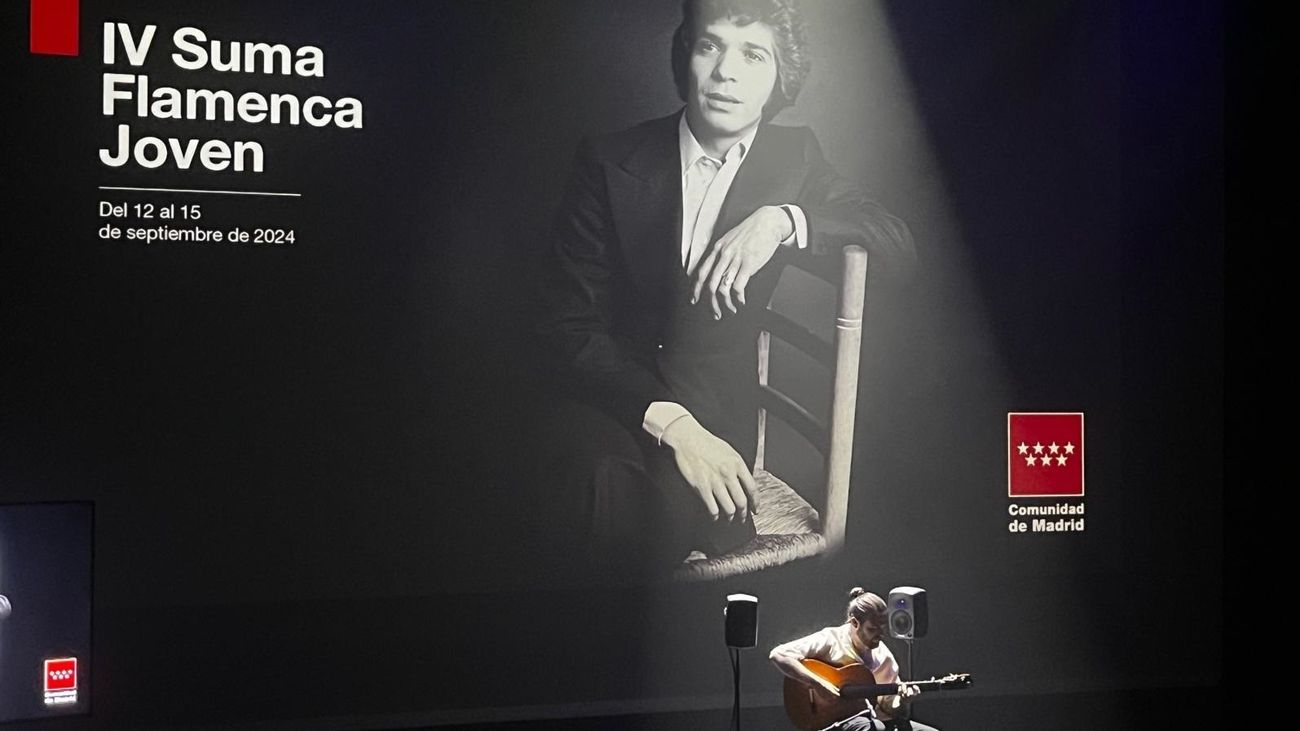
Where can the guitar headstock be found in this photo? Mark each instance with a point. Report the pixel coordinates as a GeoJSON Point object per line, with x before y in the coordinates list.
{"type": "Point", "coordinates": [956, 681]}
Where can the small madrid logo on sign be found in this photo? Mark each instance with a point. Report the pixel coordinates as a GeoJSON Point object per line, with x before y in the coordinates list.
{"type": "Point", "coordinates": [1045, 454]}
{"type": "Point", "coordinates": [61, 681]}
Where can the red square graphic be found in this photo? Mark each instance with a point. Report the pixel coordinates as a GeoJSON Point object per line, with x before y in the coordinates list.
{"type": "Point", "coordinates": [54, 27]}
{"type": "Point", "coordinates": [1045, 454]}
{"type": "Point", "coordinates": [61, 674]}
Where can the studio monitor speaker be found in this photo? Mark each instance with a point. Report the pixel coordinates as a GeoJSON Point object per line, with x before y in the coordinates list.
{"type": "Point", "coordinates": [909, 613]}
{"type": "Point", "coordinates": [742, 620]}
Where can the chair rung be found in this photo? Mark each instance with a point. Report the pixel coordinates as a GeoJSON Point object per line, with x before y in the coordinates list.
{"type": "Point", "coordinates": [784, 408]}
{"type": "Point", "coordinates": [800, 337]}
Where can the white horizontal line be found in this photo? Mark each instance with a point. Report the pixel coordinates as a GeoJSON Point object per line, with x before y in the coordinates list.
{"type": "Point", "coordinates": [195, 190]}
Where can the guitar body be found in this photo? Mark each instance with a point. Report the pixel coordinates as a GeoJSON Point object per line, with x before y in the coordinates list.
{"type": "Point", "coordinates": [812, 709]}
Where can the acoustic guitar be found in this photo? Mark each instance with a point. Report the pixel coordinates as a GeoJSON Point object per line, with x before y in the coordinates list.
{"type": "Point", "coordinates": [812, 709]}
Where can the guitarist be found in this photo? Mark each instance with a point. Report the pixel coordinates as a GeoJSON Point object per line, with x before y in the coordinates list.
{"type": "Point", "coordinates": [855, 641]}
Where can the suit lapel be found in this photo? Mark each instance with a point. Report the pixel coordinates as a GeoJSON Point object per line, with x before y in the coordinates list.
{"type": "Point", "coordinates": [771, 175]}
{"type": "Point", "coordinates": [646, 199]}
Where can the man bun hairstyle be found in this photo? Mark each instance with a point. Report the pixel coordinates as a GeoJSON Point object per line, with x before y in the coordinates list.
{"type": "Point", "coordinates": [793, 61]}
{"type": "Point", "coordinates": [866, 607]}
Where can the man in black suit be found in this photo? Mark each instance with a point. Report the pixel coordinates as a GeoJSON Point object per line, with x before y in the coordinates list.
{"type": "Point", "coordinates": [670, 240]}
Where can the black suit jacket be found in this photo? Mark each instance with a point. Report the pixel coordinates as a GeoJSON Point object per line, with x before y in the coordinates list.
{"type": "Point", "coordinates": [617, 321]}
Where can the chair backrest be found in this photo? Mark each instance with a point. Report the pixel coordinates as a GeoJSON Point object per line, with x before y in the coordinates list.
{"type": "Point", "coordinates": [833, 440]}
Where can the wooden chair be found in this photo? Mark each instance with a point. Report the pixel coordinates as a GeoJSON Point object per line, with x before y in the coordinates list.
{"type": "Point", "coordinates": [788, 527]}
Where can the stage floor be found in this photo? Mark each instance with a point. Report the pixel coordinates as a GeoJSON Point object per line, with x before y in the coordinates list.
{"type": "Point", "coordinates": [1115, 711]}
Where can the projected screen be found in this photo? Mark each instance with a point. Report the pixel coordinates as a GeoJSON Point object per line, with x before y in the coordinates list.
{"type": "Point", "coordinates": [395, 339]}
{"type": "Point", "coordinates": [45, 610]}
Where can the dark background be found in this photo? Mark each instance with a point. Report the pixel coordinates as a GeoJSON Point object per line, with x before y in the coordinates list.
{"type": "Point", "coordinates": [309, 462]}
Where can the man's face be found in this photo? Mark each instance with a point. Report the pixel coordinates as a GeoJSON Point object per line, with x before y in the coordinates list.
{"type": "Point", "coordinates": [869, 634]}
{"type": "Point", "coordinates": [732, 74]}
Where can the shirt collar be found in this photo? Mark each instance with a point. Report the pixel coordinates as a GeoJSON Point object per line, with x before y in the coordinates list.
{"type": "Point", "coordinates": [691, 151]}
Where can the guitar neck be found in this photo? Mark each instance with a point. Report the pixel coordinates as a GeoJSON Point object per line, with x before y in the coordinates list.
{"type": "Point", "coordinates": [872, 690]}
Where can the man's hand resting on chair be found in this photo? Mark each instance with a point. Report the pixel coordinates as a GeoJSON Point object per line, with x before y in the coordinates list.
{"type": "Point", "coordinates": [713, 468]}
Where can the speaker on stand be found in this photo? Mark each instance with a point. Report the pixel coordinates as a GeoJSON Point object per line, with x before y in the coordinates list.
{"type": "Point", "coordinates": [908, 617]}
{"type": "Point", "coordinates": [741, 631]}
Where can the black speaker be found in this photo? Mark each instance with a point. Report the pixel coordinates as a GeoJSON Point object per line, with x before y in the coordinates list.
{"type": "Point", "coordinates": [742, 620]}
{"type": "Point", "coordinates": [909, 613]}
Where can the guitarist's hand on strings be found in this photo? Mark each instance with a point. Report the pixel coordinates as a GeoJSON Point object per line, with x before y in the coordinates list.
{"type": "Point", "coordinates": [825, 689]}
{"type": "Point", "coordinates": [896, 704]}
{"type": "Point", "coordinates": [791, 665]}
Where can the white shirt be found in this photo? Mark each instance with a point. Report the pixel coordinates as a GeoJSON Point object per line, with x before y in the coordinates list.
{"type": "Point", "coordinates": [705, 183]}
{"type": "Point", "coordinates": [834, 646]}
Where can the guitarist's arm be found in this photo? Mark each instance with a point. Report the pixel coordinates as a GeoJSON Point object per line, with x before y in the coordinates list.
{"type": "Point", "coordinates": [787, 660]}
{"type": "Point", "coordinates": [893, 706]}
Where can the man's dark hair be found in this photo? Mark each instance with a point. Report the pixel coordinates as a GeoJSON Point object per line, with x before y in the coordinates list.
{"type": "Point", "coordinates": [866, 607]}
{"type": "Point", "coordinates": [792, 59]}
